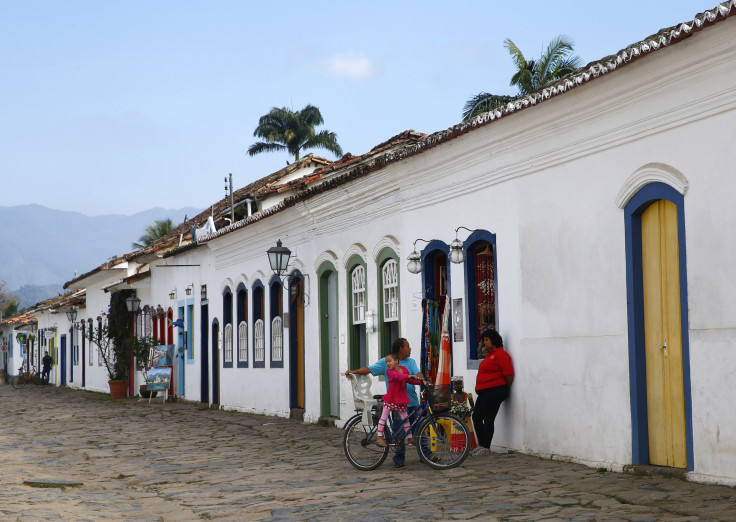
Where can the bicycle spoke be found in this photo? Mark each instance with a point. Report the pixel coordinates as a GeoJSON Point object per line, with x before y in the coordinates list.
{"type": "Point", "coordinates": [360, 446]}
{"type": "Point", "coordinates": [443, 441]}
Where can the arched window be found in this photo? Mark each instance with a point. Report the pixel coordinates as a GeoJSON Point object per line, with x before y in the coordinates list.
{"type": "Point", "coordinates": [259, 341]}
{"type": "Point", "coordinates": [388, 300]}
{"type": "Point", "coordinates": [243, 342]}
{"type": "Point", "coordinates": [241, 307]}
{"type": "Point", "coordinates": [227, 319]}
{"type": "Point", "coordinates": [390, 282]}
{"type": "Point", "coordinates": [356, 290]}
{"type": "Point", "coordinates": [480, 288]}
{"type": "Point", "coordinates": [358, 286]}
{"type": "Point", "coordinates": [277, 327]}
{"type": "Point", "coordinates": [228, 354]}
{"type": "Point", "coordinates": [277, 339]}
{"type": "Point", "coordinates": [99, 341]}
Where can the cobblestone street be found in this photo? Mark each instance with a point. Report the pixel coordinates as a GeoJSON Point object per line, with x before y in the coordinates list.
{"type": "Point", "coordinates": [179, 461]}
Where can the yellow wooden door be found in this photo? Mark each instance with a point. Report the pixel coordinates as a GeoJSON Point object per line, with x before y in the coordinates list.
{"type": "Point", "coordinates": [663, 336]}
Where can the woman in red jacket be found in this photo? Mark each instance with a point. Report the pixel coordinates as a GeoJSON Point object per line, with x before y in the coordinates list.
{"type": "Point", "coordinates": [495, 375]}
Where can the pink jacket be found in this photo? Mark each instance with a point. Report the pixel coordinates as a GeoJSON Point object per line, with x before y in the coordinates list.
{"type": "Point", "coordinates": [397, 380]}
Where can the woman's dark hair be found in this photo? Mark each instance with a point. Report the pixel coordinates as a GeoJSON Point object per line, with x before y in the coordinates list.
{"type": "Point", "coordinates": [397, 345]}
{"type": "Point", "coordinates": [494, 336]}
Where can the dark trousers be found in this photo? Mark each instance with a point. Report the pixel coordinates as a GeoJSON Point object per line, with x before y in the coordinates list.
{"type": "Point", "coordinates": [45, 374]}
{"type": "Point", "coordinates": [486, 409]}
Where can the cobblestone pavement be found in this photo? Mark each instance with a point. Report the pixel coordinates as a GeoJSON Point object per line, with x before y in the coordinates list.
{"type": "Point", "coordinates": [180, 461]}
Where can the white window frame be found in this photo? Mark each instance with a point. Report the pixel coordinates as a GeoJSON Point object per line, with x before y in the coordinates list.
{"type": "Point", "coordinates": [228, 333]}
{"type": "Point", "coordinates": [259, 341]}
{"type": "Point", "coordinates": [358, 288]}
{"type": "Point", "coordinates": [277, 339]}
{"type": "Point", "coordinates": [243, 341]}
{"type": "Point", "coordinates": [390, 291]}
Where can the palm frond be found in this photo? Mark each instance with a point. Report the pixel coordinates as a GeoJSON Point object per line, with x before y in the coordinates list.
{"type": "Point", "coordinates": [483, 102]}
{"type": "Point", "coordinates": [263, 146]}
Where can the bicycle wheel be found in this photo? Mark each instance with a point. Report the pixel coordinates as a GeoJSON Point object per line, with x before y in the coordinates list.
{"type": "Point", "coordinates": [36, 379]}
{"type": "Point", "coordinates": [360, 446]}
{"type": "Point", "coordinates": [443, 441]}
{"type": "Point", "coordinates": [19, 381]}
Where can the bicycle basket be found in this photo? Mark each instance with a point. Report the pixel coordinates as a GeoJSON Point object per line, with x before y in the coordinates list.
{"type": "Point", "coordinates": [439, 397]}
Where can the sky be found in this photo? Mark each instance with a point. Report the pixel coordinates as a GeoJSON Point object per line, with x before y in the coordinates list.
{"type": "Point", "coordinates": [115, 107]}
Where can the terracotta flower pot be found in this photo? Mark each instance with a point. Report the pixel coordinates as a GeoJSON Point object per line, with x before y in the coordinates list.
{"type": "Point", "coordinates": [118, 389]}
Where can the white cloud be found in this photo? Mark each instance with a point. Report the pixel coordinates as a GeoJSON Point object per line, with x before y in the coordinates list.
{"type": "Point", "coordinates": [353, 65]}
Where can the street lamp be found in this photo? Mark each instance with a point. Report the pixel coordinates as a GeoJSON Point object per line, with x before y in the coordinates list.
{"type": "Point", "coordinates": [278, 258]}
{"type": "Point", "coordinates": [71, 314]}
{"type": "Point", "coordinates": [132, 303]}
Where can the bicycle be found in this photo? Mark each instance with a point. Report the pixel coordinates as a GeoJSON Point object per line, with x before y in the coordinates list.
{"type": "Point", "coordinates": [441, 438]}
{"type": "Point", "coordinates": [24, 377]}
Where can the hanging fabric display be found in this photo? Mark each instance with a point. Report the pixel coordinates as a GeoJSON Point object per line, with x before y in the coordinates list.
{"type": "Point", "coordinates": [430, 339]}
{"type": "Point", "coordinates": [445, 352]}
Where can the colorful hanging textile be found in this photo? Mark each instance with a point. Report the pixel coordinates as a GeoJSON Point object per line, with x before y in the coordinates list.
{"type": "Point", "coordinates": [445, 352]}
{"type": "Point", "coordinates": [430, 339]}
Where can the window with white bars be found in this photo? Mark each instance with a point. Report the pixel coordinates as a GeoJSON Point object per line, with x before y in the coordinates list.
{"type": "Point", "coordinates": [139, 322]}
{"type": "Point", "coordinates": [277, 339]}
{"type": "Point", "coordinates": [358, 279]}
{"type": "Point", "coordinates": [259, 350]}
{"type": "Point", "coordinates": [243, 341]}
{"type": "Point", "coordinates": [390, 291]}
{"type": "Point", "coordinates": [148, 323]}
{"type": "Point", "coordinates": [228, 343]}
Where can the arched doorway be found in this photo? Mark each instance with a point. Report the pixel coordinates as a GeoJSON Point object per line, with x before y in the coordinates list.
{"type": "Point", "coordinates": [296, 341]}
{"type": "Point", "coordinates": [329, 351]}
{"type": "Point", "coordinates": [658, 339]}
{"type": "Point", "coordinates": [215, 361]}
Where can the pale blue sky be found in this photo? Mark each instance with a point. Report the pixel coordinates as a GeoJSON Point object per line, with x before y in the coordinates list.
{"type": "Point", "coordinates": [117, 107]}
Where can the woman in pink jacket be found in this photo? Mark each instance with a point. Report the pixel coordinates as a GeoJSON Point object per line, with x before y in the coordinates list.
{"type": "Point", "coordinates": [396, 398]}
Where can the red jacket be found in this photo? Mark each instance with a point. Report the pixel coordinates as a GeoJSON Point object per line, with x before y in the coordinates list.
{"type": "Point", "coordinates": [493, 369]}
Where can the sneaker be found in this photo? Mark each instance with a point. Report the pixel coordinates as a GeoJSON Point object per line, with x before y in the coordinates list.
{"type": "Point", "coordinates": [480, 451]}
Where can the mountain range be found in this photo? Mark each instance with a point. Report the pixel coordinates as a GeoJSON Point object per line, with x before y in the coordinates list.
{"type": "Point", "coordinates": [47, 247]}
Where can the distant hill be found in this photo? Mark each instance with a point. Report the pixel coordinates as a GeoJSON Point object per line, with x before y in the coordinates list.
{"type": "Point", "coordinates": [42, 246]}
{"type": "Point", "coordinates": [28, 295]}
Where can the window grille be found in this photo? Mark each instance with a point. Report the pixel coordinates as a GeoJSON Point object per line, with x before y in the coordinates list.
{"type": "Point", "coordinates": [243, 341]}
{"type": "Point", "coordinates": [259, 350]}
{"type": "Point", "coordinates": [228, 343]}
{"type": "Point", "coordinates": [358, 279]}
{"type": "Point", "coordinates": [390, 292]}
{"type": "Point", "coordinates": [277, 339]}
{"type": "Point", "coordinates": [148, 321]}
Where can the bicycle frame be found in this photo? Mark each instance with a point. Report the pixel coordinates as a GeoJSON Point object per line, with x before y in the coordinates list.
{"type": "Point", "coordinates": [442, 439]}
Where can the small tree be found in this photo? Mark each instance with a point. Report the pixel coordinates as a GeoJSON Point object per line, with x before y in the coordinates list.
{"type": "Point", "coordinates": [116, 342]}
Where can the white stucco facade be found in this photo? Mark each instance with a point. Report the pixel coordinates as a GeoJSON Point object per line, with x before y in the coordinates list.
{"type": "Point", "coordinates": [556, 186]}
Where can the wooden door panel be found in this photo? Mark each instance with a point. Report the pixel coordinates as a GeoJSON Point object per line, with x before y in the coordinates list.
{"type": "Point", "coordinates": [663, 335]}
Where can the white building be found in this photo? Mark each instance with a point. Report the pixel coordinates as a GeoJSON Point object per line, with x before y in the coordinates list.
{"type": "Point", "coordinates": [589, 216]}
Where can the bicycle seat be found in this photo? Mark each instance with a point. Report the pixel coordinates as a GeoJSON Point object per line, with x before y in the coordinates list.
{"type": "Point", "coordinates": [362, 396]}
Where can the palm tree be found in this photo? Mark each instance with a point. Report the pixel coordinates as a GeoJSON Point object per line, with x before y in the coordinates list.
{"type": "Point", "coordinates": [555, 62]}
{"type": "Point", "coordinates": [159, 229]}
{"type": "Point", "coordinates": [483, 102]}
{"type": "Point", "coordinates": [284, 129]}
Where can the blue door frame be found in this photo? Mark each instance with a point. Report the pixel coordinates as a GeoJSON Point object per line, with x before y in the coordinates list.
{"type": "Point", "coordinates": [635, 293]}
